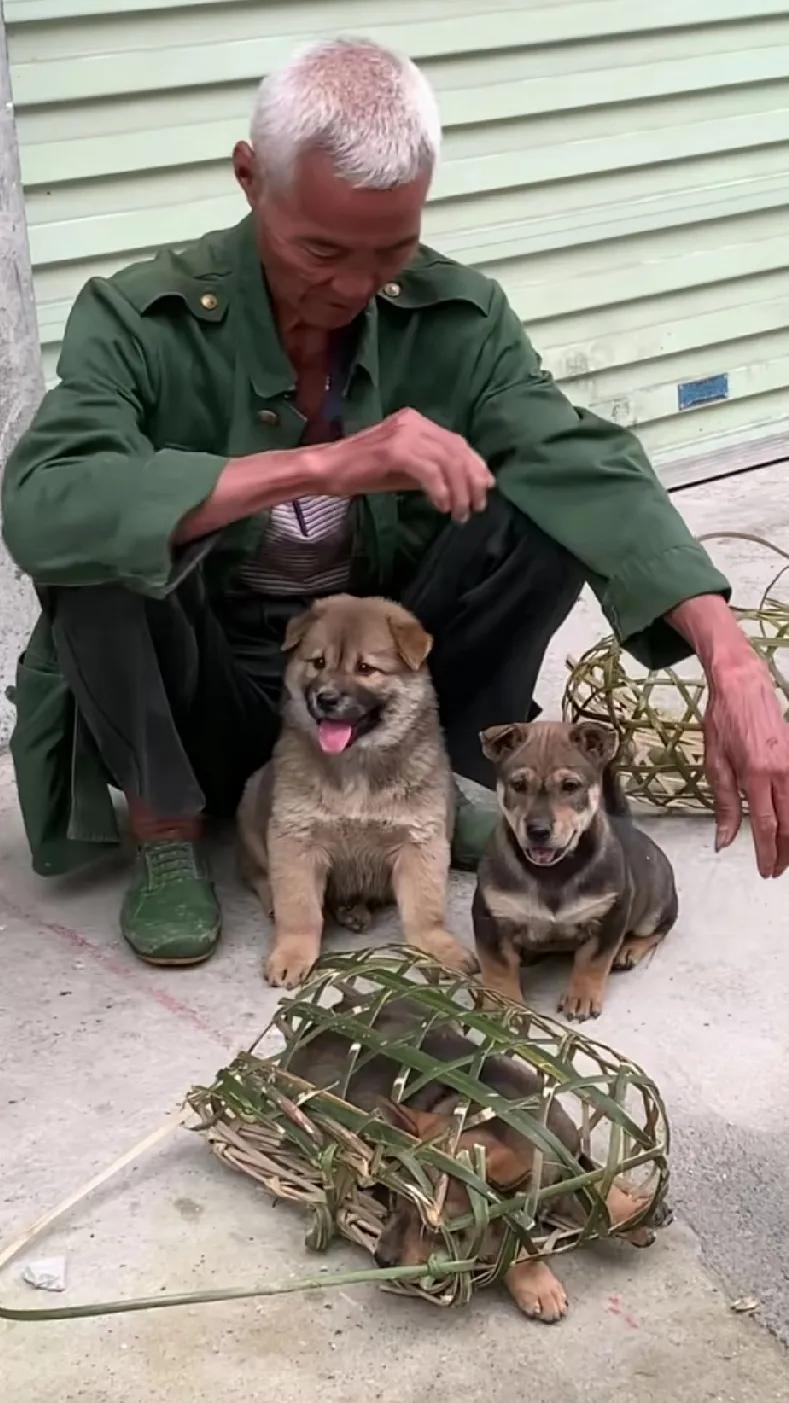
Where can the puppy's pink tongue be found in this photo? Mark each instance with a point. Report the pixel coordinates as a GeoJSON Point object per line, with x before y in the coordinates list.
{"type": "Point", "coordinates": [334, 736]}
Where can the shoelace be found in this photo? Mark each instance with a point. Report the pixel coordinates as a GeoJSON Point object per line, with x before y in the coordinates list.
{"type": "Point", "coordinates": [170, 861]}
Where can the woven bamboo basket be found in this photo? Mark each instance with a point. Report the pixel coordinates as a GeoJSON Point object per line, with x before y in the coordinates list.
{"type": "Point", "coordinates": [315, 1147]}
{"type": "Point", "coordinates": [659, 715]}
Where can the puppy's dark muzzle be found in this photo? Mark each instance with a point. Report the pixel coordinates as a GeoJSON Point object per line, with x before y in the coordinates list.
{"type": "Point", "coordinates": [385, 1256]}
{"type": "Point", "coordinates": [330, 704]}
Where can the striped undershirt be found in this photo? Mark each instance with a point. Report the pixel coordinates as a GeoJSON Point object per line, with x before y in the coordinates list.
{"type": "Point", "coordinates": [292, 562]}
{"type": "Point", "coordinates": [311, 556]}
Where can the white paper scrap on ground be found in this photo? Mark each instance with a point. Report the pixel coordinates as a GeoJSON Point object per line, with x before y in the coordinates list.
{"type": "Point", "coordinates": [47, 1274]}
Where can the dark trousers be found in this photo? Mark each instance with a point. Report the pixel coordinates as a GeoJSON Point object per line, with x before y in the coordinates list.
{"type": "Point", "coordinates": [182, 694]}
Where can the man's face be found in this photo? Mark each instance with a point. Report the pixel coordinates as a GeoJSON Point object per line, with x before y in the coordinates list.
{"type": "Point", "coordinates": [326, 247]}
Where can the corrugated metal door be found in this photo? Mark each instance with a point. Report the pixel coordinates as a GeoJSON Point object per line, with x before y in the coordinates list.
{"type": "Point", "coordinates": [622, 169]}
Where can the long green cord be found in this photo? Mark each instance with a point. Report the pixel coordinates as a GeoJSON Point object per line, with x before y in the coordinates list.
{"type": "Point", "coordinates": [434, 1268]}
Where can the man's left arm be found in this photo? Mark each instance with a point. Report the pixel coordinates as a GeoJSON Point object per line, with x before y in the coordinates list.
{"type": "Point", "coordinates": [588, 484]}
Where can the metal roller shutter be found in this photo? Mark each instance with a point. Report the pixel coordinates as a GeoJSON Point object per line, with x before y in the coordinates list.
{"type": "Point", "coordinates": [622, 169]}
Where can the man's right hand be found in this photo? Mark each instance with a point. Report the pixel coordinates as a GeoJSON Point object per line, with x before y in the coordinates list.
{"type": "Point", "coordinates": [404, 453]}
{"type": "Point", "coordinates": [407, 452]}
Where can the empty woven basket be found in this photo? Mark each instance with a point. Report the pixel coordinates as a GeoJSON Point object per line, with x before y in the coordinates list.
{"type": "Point", "coordinates": [658, 715]}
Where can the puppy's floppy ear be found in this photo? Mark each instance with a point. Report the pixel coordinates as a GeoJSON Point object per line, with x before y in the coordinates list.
{"type": "Point", "coordinates": [498, 741]}
{"type": "Point", "coordinates": [599, 742]}
{"type": "Point", "coordinates": [411, 642]}
{"type": "Point", "coordinates": [423, 1125]}
{"type": "Point", "coordinates": [504, 1167]}
{"type": "Point", "coordinates": [296, 630]}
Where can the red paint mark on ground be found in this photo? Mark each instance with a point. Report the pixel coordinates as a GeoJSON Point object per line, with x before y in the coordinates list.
{"type": "Point", "coordinates": [614, 1307]}
{"type": "Point", "coordinates": [123, 971]}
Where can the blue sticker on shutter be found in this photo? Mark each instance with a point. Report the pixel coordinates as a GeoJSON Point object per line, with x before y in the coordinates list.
{"type": "Point", "coordinates": [692, 393]}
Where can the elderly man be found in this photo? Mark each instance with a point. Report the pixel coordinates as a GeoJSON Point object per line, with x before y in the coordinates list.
{"type": "Point", "coordinates": [306, 403]}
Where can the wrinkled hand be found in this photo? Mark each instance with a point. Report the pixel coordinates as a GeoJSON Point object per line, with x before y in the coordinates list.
{"type": "Point", "coordinates": [747, 753]}
{"type": "Point", "coordinates": [407, 452]}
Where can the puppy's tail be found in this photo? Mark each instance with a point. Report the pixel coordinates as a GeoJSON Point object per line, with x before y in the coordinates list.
{"type": "Point", "coordinates": [614, 801]}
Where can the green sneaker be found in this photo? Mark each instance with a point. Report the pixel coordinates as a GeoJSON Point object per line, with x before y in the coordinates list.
{"type": "Point", "coordinates": [475, 820]}
{"type": "Point", "coordinates": [170, 914]}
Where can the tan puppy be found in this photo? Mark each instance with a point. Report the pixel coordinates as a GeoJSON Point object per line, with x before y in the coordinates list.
{"type": "Point", "coordinates": [355, 805]}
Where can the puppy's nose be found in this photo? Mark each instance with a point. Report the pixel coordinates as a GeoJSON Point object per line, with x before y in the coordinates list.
{"type": "Point", "coordinates": [538, 831]}
{"type": "Point", "coordinates": [328, 699]}
{"type": "Point", "coordinates": [384, 1256]}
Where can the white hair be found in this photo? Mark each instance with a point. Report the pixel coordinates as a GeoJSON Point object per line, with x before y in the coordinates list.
{"type": "Point", "coordinates": [370, 109]}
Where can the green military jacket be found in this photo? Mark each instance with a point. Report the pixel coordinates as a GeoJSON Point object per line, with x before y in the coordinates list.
{"type": "Point", "coordinates": [174, 365]}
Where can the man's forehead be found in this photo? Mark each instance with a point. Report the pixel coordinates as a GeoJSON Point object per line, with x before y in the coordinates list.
{"type": "Point", "coordinates": [333, 209]}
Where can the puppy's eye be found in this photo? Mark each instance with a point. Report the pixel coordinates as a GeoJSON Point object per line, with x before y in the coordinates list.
{"type": "Point", "coordinates": [318, 662]}
{"type": "Point", "coordinates": [570, 786]}
{"type": "Point", "coordinates": [365, 669]}
{"type": "Point", "coordinates": [519, 783]}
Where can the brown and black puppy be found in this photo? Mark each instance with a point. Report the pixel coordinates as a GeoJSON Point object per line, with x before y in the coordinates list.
{"type": "Point", "coordinates": [405, 1239]}
{"type": "Point", "coordinates": [355, 805]}
{"type": "Point", "coordinates": [567, 870]}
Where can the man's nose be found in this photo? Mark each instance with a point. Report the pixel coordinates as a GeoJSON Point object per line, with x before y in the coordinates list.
{"type": "Point", "coordinates": [355, 285]}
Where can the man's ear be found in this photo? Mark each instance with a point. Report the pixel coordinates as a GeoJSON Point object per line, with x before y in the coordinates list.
{"type": "Point", "coordinates": [599, 742]}
{"type": "Point", "coordinates": [246, 169]}
{"type": "Point", "coordinates": [423, 1125]}
{"type": "Point", "coordinates": [411, 642]}
{"type": "Point", "coordinates": [498, 741]}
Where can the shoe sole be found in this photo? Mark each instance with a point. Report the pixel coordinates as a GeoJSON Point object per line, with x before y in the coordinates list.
{"type": "Point", "coordinates": [189, 960]}
{"type": "Point", "coordinates": [175, 961]}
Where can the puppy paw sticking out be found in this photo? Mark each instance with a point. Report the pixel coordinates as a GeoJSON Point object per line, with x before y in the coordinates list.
{"type": "Point", "coordinates": [537, 1292]}
{"type": "Point", "coordinates": [291, 960]}
{"type": "Point", "coordinates": [355, 916]}
{"type": "Point", "coordinates": [621, 1207]}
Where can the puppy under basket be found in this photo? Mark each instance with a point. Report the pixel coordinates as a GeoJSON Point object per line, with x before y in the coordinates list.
{"type": "Point", "coordinates": [348, 1166]}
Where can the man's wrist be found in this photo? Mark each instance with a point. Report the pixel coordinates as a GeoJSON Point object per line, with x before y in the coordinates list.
{"type": "Point", "coordinates": [267, 479]}
{"type": "Point", "coordinates": [250, 484]}
{"type": "Point", "coordinates": [709, 626]}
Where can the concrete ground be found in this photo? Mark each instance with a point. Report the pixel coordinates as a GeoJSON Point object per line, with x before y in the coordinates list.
{"type": "Point", "coordinates": [96, 1048]}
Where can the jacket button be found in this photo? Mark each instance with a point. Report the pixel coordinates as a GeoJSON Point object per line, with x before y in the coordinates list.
{"type": "Point", "coordinates": [392, 289]}
{"type": "Point", "coordinates": [209, 301]}
{"type": "Point", "coordinates": [268, 416]}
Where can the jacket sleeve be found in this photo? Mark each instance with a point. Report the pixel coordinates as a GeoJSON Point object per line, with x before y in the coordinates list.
{"type": "Point", "coordinates": [87, 499]}
{"type": "Point", "coordinates": [587, 484]}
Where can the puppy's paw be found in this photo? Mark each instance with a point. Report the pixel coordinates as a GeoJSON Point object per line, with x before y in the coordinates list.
{"type": "Point", "coordinates": [448, 951]}
{"type": "Point", "coordinates": [537, 1292]}
{"type": "Point", "coordinates": [635, 949]}
{"type": "Point", "coordinates": [622, 1206]}
{"type": "Point", "coordinates": [578, 1007]}
{"type": "Point", "coordinates": [291, 960]}
{"type": "Point", "coordinates": [663, 1215]}
{"type": "Point", "coordinates": [582, 999]}
{"type": "Point", "coordinates": [355, 916]}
